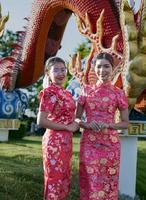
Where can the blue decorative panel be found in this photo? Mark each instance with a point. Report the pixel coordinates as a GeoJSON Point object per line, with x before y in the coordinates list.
{"type": "Point", "coordinates": [74, 88]}
{"type": "Point", "coordinates": [12, 104]}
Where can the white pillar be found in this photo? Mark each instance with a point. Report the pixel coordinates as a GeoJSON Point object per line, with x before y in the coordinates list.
{"type": "Point", "coordinates": [128, 164]}
{"type": "Point", "coordinates": [4, 134]}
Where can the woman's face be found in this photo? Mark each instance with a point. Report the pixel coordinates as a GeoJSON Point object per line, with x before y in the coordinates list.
{"type": "Point", "coordinates": [103, 70]}
{"type": "Point", "coordinates": [58, 73]}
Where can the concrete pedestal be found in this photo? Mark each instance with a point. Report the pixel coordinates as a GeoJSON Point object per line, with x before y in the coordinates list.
{"type": "Point", "coordinates": [128, 163]}
{"type": "Point", "coordinates": [5, 126]}
{"type": "Point", "coordinates": [4, 134]}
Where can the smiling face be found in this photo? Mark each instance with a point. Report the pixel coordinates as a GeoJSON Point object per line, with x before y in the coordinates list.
{"type": "Point", "coordinates": [57, 73]}
{"type": "Point", "coordinates": [103, 70]}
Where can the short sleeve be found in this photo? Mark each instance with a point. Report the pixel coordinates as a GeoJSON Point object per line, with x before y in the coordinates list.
{"type": "Point", "coordinates": [82, 98]}
{"type": "Point", "coordinates": [47, 100]}
{"type": "Point", "coordinates": [122, 100]}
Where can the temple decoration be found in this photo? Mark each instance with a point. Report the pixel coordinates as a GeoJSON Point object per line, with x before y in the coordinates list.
{"type": "Point", "coordinates": [123, 36]}
{"type": "Point", "coordinates": [87, 75]}
{"type": "Point", "coordinates": [136, 69]}
{"type": "Point", "coordinates": [130, 71]}
{"type": "Point", "coordinates": [3, 20]}
{"type": "Point", "coordinates": [12, 103]}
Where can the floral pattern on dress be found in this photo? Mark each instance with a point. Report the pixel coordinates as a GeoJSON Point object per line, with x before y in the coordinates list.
{"type": "Point", "coordinates": [100, 151]}
{"type": "Point", "coordinates": [57, 145]}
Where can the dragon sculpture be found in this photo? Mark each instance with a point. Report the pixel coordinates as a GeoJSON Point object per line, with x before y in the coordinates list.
{"type": "Point", "coordinates": [115, 26]}
{"type": "Point", "coordinates": [12, 103]}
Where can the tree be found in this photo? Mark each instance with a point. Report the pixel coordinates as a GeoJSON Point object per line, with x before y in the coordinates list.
{"type": "Point", "coordinates": [84, 48]}
{"type": "Point", "coordinates": [6, 43]}
{"type": "Point", "coordinates": [33, 92]}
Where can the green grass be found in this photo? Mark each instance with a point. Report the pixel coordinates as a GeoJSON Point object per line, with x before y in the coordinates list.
{"type": "Point", "coordinates": [21, 173]}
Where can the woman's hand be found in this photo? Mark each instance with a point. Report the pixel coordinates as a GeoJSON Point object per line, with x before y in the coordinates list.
{"type": "Point", "coordinates": [93, 125]}
{"type": "Point", "coordinates": [103, 125]}
{"type": "Point", "coordinates": [96, 126]}
{"type": "Point", "coordinates": [72, 127]}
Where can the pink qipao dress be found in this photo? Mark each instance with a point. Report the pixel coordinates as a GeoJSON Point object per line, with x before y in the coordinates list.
{"type": "Point", "coordinates": [100, 151]}
{"type": "Point", "coordinates": [57, 145]}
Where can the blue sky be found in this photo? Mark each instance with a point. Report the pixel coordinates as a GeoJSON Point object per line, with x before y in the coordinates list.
{"type": "Point", "coordinates": [18, 9]}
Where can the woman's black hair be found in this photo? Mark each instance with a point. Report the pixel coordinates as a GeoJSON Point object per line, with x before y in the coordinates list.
{"type": "Point", "coordinates": [106, 56]}
{"type": "Point", "coordinates": [51, 61]}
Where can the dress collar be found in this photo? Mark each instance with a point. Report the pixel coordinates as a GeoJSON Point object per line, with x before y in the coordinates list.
{"type": "Point", "coordinates": [57, 86]}
{"type": "Point", "coordinates": [102, 84]}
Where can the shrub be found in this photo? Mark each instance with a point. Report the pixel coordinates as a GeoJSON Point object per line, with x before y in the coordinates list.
{"type": "Point", "coordinates": [20, 133]}
{"type": "Point", "coordinates": [126, 197]}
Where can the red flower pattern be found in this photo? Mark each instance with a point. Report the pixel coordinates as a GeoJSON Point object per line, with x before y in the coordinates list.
{"type": "Point", "coordinates": [100, 152]}
{"type": "Point", "coordinates": [57, 145]}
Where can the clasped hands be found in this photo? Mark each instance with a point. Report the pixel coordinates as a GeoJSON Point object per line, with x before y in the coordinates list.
{"type": "Point", "coordinates": [96, 126]}
{"type": "Point", "coordinates": [93, 125]}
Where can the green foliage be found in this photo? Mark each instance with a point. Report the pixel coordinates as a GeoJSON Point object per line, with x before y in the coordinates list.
{"type": "Point", "coordinates": [20, 133]}
{"type": "Point", "coordinates": [69, 76]}
{"type": "Point", "coordinates": [33, 91]}
{"type": "Point", "coordinates": [84, 49]}
{"type": "Point", "coordinates": [6, 42]}
{"type": "Point", "coordinates": [126, 197]}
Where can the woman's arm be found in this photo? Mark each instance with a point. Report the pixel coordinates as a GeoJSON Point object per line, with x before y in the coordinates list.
{"type": "Point", "coordinates": [92, 125]}
{"type": "Point", "coordinates": [79, 113]}
{"type": "Point", "coordinates": [44, 122]}
{"type": "Point", "coordinates": [123, 124]}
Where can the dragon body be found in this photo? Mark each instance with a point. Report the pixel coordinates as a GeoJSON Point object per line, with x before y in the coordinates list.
{"type": "Point", "coordinates": [121, 31]}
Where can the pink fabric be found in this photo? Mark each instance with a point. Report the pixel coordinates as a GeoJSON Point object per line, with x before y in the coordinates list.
{"type": "Point", "coordinates": [100, 152]}
{"type": "Point", "coordinates": [57, 145]}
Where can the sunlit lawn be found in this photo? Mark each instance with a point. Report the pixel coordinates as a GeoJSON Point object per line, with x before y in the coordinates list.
{"type": "Point", "coordinates": [21, 174]}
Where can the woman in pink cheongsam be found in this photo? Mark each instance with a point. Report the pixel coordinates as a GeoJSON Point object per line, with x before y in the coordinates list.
{"type": "Point", "coordinates": [56, 114]}
{"type": "Point", "coordinates": [100, 143]}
